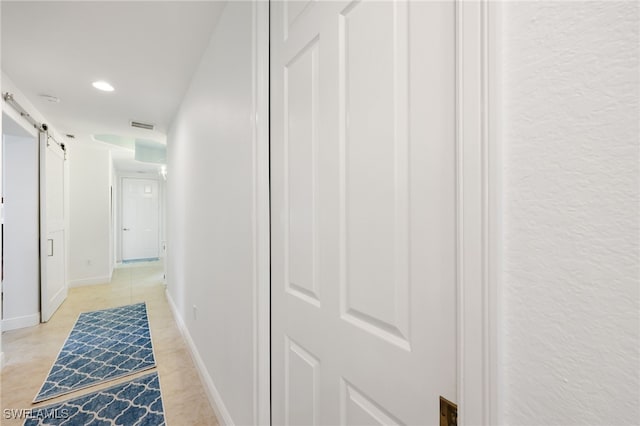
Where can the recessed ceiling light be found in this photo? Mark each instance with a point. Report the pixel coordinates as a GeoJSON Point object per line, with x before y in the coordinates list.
{"type": "Point", "coordinates": [103, 85]}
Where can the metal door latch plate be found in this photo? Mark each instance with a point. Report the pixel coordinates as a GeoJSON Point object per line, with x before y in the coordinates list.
{"type": "Point", "coordinates": [448, 413]}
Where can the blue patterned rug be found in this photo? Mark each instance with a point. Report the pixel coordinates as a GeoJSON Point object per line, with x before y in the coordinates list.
{"type": "Point", "coordinates": [103, 345]}
{"type": "Point", "coordinates": [136, 402]}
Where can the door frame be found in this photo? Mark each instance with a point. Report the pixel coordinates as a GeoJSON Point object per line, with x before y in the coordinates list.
{"type": "Point", "coordinates": [22, 130]}
{"type": "Point", "coordinates": [121, 211]}
{"type": "Point", "coordinates": [479, 222]}
{"type": "Point", "coordinates": [261, 207]}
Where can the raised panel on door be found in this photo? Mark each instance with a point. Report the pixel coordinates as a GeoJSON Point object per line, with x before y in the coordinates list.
{"type": "Point", "coordinates": [293, 10]}
{"type": "Point", "coordinates": [300, 134]}
{"type": "Point", "coordinates": [55, 266]}
{"type": "Point", "coordinates": [358, 409]}
{"type": "Point", "coordinates": [55, 187]}
{"type": "Point", "coordinates": [363, 210]}
{"type": "Point", "coordinates": [374, 169]}
{"type": "Point", "coordinates": [302, 370]}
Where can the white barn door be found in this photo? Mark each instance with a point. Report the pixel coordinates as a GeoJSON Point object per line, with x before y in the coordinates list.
{"type": "Point", "coordinates": [53, 224]}
{"type": "Point", "coordinates": [363, 211]}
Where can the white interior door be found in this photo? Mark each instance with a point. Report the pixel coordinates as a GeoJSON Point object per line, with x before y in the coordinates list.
{"type": "Point", "coordinates": [53, 275]}
{"type": "Point", "coordinates": [363, 211]}
{"type": "Point", "coordinates": [140, 219]}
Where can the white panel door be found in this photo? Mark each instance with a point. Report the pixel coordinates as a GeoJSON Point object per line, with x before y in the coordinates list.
{"type": "Point", "coordinates": [140, 219]}
{"type": "Point", "coordinates": [363, 211]}
{"type": "Point", "coordinates": [53, 217]}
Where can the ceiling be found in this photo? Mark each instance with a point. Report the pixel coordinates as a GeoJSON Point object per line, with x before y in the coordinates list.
{"type": "Point", "coordinates": [148, 50]}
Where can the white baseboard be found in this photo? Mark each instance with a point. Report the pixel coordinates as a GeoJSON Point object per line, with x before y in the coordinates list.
{"type": "Point", "coordinates": [20, 322]}
{"type": "Point", "coordinates": [1, 360]}
{"type": "Point", "coordinates": [215, 399]}
{"type": "Point", "coordinates": [104, 279]}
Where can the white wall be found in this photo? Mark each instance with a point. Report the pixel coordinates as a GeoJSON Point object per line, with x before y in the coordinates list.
{"type": "Point", "coordinates": [211, 188]}
{"type": "Point", "coordinates": [571, 292]}
{"type": "Point", "coordinates": [90, 251]}
{"type": "Point", "coordinates": [21, 262]}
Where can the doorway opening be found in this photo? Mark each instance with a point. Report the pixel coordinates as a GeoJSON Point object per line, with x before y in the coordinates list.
{"type": "Point", "coordinates": [20, 226]}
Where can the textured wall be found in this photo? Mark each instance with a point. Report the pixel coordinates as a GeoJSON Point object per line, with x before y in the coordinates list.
{"type": "Point", "coordinates": [571, 318]}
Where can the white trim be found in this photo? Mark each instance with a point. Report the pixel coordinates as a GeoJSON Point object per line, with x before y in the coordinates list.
{"type": "Point", "coordinates": [101, 279]}
{"type": "Point", "coordinates": [494, 200]}
{"type": "Point", "coordinates": [1, 360]}
{"type": "Point", "coordinates": [215, 399]}
{"type": "Point", "coordinates": [21, 322]}
{"type": "Point", "coordinates": [261, 226]}
{"type": "Point", "coordinates": [45, 315]}
{"type": "Point", "coordinates": [478, 218]}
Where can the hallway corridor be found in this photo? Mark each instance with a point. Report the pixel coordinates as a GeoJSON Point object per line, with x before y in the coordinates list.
{"type": "Point", "coordinates": [30, 352]}
{"type": "Point", "coordinates": [367, 212]}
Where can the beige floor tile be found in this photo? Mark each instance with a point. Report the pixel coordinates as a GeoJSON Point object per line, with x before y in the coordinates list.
{"type": "Point", "coordinates": [29, 353]}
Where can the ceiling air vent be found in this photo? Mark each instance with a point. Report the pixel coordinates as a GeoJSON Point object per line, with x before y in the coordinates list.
{"type": "Point", "coordinates": [142, 125]}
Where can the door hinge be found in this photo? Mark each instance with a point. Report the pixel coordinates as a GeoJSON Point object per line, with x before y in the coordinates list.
{"type": "Point", "coordinates": [448, 413]}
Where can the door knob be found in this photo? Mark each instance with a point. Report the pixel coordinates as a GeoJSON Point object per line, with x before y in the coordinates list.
{"type": "Point", "coordinates": [126, 229]}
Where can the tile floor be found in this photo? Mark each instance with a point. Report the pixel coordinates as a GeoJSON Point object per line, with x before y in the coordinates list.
{"type": "Point", "coordinates": [29, 353]}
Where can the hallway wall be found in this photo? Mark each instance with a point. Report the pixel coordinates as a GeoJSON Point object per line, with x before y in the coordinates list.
{"type": "Point", "coordinates": [570, 333]}
{"type": "Point", "coordinates": [89, 214]}
{"type": "Point", "coordinates": [21, 262]}
{"type": "Point", "coordinates": [571, 338]}
{"type": "Point", "coordinates": [211, 187]}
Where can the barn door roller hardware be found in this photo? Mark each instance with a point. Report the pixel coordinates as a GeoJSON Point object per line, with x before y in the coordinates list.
{"type": "Point", "coordinates": [8, 98]}
{"type": "Point", "coordinates": [42, 127]}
